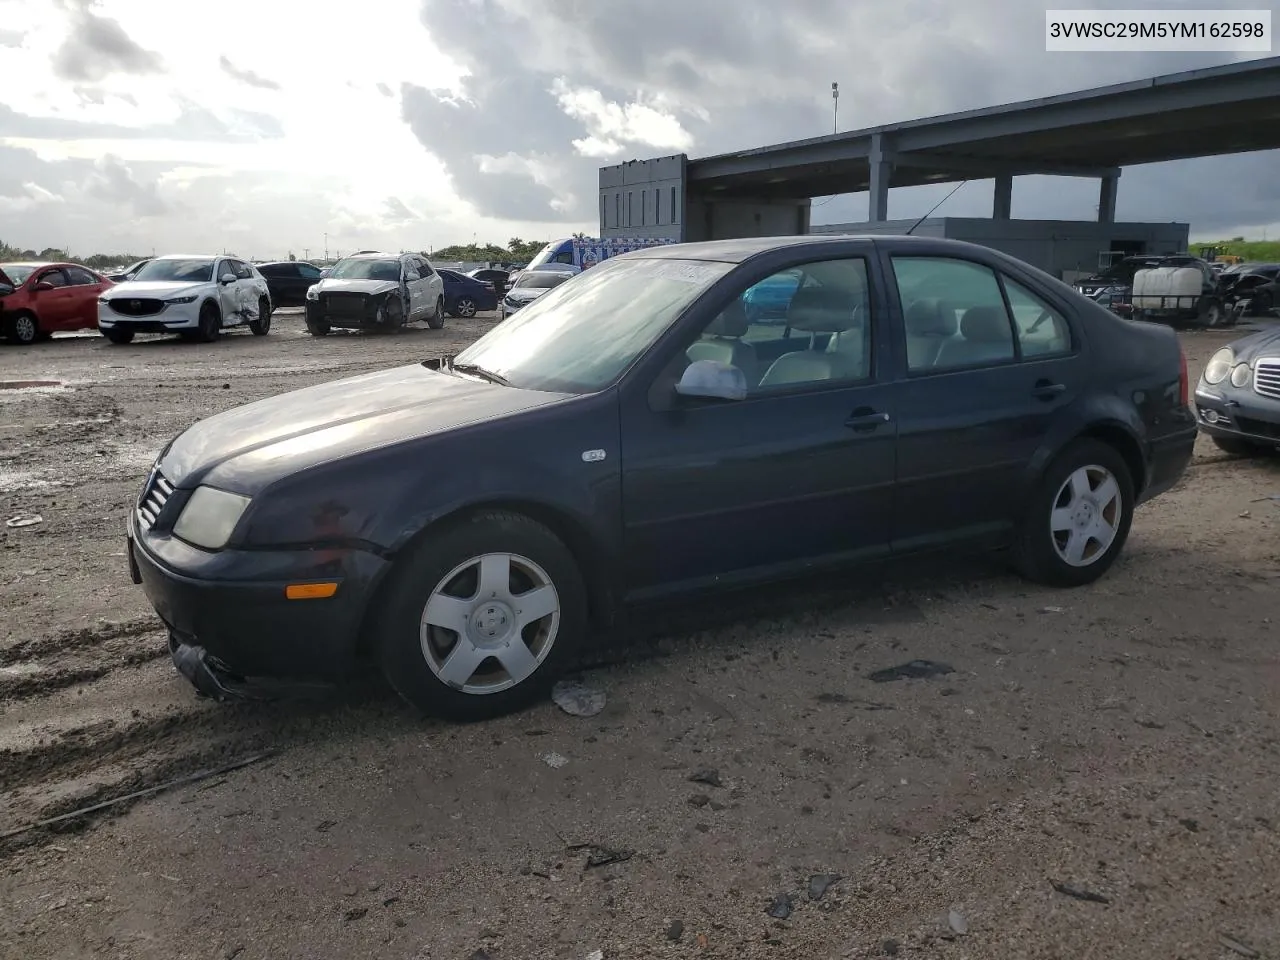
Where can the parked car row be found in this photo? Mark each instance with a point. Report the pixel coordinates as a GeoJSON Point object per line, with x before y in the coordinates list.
{"type": "Point", "coordinates": [38, 300]}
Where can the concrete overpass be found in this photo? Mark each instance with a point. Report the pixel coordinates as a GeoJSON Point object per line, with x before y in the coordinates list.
{"type": "Point", "coordinates": [1092, 133]}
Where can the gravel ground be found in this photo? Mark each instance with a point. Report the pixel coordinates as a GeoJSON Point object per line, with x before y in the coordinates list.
{"type": "Point", "coordinates": [1117, 741]}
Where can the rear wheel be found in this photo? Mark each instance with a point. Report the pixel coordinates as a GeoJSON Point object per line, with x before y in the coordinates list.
{"type": "Point", "coordinates": [210, 324]}
{"type": "Point", "coordinates": [482, 617]}
{"type": "Point", "coordinates": [24, 328]}
{"type": "Point", "coordinates": [1078, 518]}
{"type": "Point", "coordinates": [261, 325]}
{"type": "Point", "coordinates": [465, 307]}
{"type": "Point", "coordinates": [436, 320]}
{"type": "Point", "coordinates": [1238, 447]}
{"type": "Point", "coordinates": [116, 335]}
{"type": "Point", "coordinates": [1213, 315]}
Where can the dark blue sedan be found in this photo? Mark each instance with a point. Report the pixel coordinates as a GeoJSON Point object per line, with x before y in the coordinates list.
{"type": "Point", "coordinates": [472, 522]}
{"type": "Point", "coordinates": [466, 296]}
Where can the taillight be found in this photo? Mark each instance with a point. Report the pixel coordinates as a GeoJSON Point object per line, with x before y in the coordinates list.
{"type": "Point", "coordinates": [1183, 386]}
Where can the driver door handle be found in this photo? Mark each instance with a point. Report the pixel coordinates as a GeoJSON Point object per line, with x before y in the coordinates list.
{"type": "Point", "coordinates": [864, 419]}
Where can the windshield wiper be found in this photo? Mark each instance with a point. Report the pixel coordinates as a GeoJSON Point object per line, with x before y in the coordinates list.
{"type": "Point", "coordinates": [481, 372]}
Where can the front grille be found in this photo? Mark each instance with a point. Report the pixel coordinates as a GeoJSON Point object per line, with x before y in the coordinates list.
{"type": "Point", "coordinates": [345, 304]}
{"type": "Point", "coordinates": [154, 496]}
{"type": "Point", "coordinates": [1266, 378]}
{"type": "Point", "coordinates": [140, 307]}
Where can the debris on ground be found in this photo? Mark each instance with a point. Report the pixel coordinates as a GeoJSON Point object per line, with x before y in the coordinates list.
{"type": "Point", "coordinates": [820, 883]}
{"type": "Point", "coordinates": [1235, 946]}
{"type": "Point", "coordinates": [957, 922]}
{"type": "Point", "coordinates": [554, 760]}
{"type": "Point", "coordinates": [780, 909]}
{"type": "Point", "coordinates": [1053, 610]}
{"type": "Point", "coordinates": [595, 955]}
{"type": "Point", "coordinates": [599, 856]}
{"type": "Point", "coordinates": [1079, 893]}
{"type": "Point", "coordinates": [707, 775]}
{"type": "Point", "coordinates": [699, 800]}
{"type": "Point", "coordinates": [676, 930]}
{"type": "Point", "coordinates": [574, 697]}
{"type": "Point", "coordinates": [24, 520]}
{"type": "Point", "coordinates": [890, 948]}
{"type": "Point", "coordinates": [355, 913]}
{"type": "Point", "coordinates": [914, 670]}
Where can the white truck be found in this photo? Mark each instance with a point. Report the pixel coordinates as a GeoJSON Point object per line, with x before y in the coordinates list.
{"type": "Point", "coordinates": [1178, 294]}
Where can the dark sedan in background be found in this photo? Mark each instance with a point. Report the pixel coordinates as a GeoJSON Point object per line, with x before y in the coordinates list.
{"type": "Point", "coordinates": [289, 280]}
{"type": "Point", "coordinates": [499, 280]}
{"type": "Point", "coordinates": [473, 521]}
{"type": "Point", "coordinates": [1238, 397]}
{"type": "Point", "coordinates": [466, 296]}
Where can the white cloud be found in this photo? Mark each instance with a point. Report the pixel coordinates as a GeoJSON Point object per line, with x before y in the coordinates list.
{"type": "Point", "coordinates": [611, 124]}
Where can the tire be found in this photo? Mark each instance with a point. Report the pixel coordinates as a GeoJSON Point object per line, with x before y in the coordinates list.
{"type": "Point", "coordinates": [118, 336]}
{"type": "Point", "coordinates": [1238, 447]}
{"type": "Point", "coordinates": [392, 315]}
{"type": "Point", "coordinates": [465, 307]}
{"type": "Point", "coordinates": [261, 326]}
{"type": "Point", "coordinates": [24, 328]}
{"type": "Point", "coordinates": [210, 324]}
{"type": "Point", "coordinates": [436, 320]}
{"type": "Point", "coordinates": [317, 326]}
{"type": "Point", "coordinates": [443, 569]}
{"type": "Point", "coordinates": [1043, 542]}
{"type": "Point", "coordinates": [1213, 315]}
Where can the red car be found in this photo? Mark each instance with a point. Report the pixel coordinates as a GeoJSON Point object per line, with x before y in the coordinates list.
{"type": "Point", "coordinates": [38, 300]}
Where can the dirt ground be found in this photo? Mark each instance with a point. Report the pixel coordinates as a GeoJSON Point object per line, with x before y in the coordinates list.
{"type": "Point", "coordinates": [1118, 741]}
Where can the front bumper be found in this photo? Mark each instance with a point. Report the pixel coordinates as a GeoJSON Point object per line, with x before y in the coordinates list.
{"type": "Point", "coordinates": [175, 316]}
{"type": "Point", "coordinates": [230, 621]}
{"type": "Point", "coordinates": [367, 316]}
{"type": "Point", "coordinates": [1237, 413]}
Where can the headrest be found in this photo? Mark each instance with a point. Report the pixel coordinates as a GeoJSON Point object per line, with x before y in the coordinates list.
{"type": "Point", "coordinates": [986, 325]}
{"type": "Point", "coordinates": [822, 310]}
{"type": "Point", "coordinates": [930, 318]}
{"type": "Point", "coordinates": [731, 322]}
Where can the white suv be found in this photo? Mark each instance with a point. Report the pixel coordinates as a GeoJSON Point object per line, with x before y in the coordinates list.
{"type": "Point", "coordinates": [378, 291]}
{"type": "Point", "coordinates": [195, 296]}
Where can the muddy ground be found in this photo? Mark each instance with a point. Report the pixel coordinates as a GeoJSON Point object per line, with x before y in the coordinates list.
{"type": "Point", "coordinates": [1119, 741]}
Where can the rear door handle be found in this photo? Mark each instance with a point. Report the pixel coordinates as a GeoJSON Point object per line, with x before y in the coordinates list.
{"type": "Point", "coordinates": [863, 420]}
{"type": "Point", "coordinates": [1047, 390]}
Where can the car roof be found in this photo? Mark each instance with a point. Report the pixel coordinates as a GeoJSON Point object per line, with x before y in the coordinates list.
{"type": "Point", "coordinates": [367, 255]}
{"type": "Point", "coordinates": [743, 249]}
{"type": "Point", "coordinates": [281, 263]}
{"type": "Point", "coordinates": [195, 256]}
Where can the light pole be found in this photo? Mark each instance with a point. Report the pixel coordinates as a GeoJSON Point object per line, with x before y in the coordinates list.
{"type": "Point", "coordinates": [326, 246]}
{"type": "Point", "coordinates": [835, 104]}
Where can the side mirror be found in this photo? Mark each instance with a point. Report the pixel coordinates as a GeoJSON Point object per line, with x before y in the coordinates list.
{"type": "Point", "coordinates": [227, 278]}
{"type": "Point", "coordinates": [43, 286]}
{"type": "Point", "coordinates": [718, 381]}
{"type": "Point", "coordinates": [5, 289]}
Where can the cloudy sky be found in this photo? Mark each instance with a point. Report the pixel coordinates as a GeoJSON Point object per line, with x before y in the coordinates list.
{"type": "Point", "coordinates": [262, 126]}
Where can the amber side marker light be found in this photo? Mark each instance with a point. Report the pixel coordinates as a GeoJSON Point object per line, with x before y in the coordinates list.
{"type": "Point", "coordinates": [310, 591]}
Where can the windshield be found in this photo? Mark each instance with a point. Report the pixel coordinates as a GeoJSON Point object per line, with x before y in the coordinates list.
{"type": "Point", "coordinates": [545, 254]}
{"type": "Point", "coordinates": [582, 336]}
{"type": "Point", "coordinates": [541, 280]}
{"type": "Point", "coordinates": [366, 270]}
{"type": "Point", "coordinates": [189, 271]}
{"type": "Point", "coordinates": [16, 273]}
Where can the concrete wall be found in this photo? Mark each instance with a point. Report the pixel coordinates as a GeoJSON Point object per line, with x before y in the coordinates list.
{"type": "Point", "coordinates": [709, 219]}
{"type": "Point", "coordinates": [643, 198]}
{"type": "Point", "coordinates": [1059, 247]}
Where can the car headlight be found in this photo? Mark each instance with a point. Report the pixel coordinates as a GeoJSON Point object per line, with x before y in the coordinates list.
{"type": "Point", "coordinates": [104, 299]}
{"type": "Point", "coordinates": [210, 517]}
{"type": "Point", "coordinates": [177, 300]}
{"type": "Point", "coordinates": [1219, 366]}
{"type": "Point", "coordinates": [313, 293]}
{"type": "Point", "coordinates": [1240, 375]}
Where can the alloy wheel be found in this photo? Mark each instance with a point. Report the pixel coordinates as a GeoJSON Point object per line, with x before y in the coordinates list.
{"type": "Point", "coordinates": [1086, 515]}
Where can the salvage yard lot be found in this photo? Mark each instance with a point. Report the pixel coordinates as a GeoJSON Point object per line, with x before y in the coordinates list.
{"type": "Point", "coordinates": [1120, 740]}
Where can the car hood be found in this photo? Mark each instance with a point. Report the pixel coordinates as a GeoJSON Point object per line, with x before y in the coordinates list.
{"type": "Point", "coordinates": [246, 448]}
{"type": "Point", "coordinates": [163, 289]}
{"type": "Point", "coordinates": [1264, 343]}
{"type": "Point", "coordinates": [527, 295]}
{"type": "Point", "coordinates": [371, 287]}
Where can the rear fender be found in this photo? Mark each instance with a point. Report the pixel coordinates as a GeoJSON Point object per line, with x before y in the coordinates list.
{"type": "Point", "coordinates": [1104, 417]}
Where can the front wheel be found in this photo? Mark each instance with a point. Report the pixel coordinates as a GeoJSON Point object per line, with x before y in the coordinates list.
{"type": "Point", "coordinates": [24, 329]}
{"type": "Point", "coordinates": [260, 325]}
{"type": "Point", "coordinates": [1078, 517]}
{"type": "Point", "coordinates": [436, 320]}
{"type": "Point", "coordinates": [116, 335]}
{"type": "Point", "coordinates": [391, 315]}
{"type": "Point", "coordinates": [1213, 315]}
{"type": "Point", "coordinates": [482, 617]}
{"type": "Point", "coordinates": [210, 324]}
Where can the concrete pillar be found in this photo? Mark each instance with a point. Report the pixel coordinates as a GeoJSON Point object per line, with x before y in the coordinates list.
{"type": "Point", "coordinates": [1107, 199]}
{"type": "Point", "coordinates": [881, 171]}
{"type": "Point", "coordinates": [1002, 209]}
